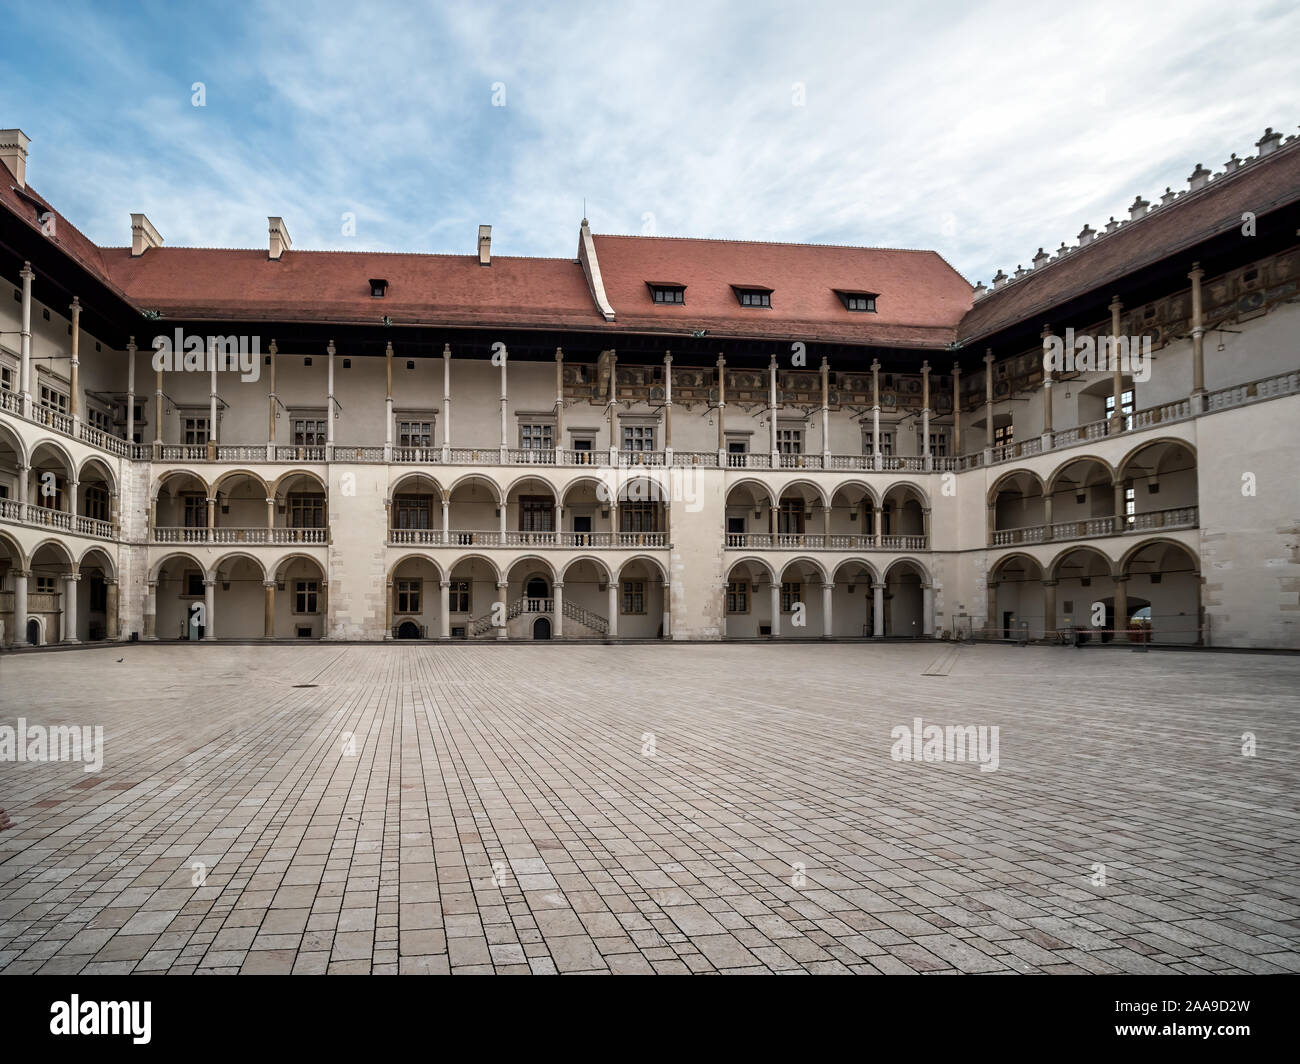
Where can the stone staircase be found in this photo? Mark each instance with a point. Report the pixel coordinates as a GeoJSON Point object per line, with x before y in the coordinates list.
{"type": "Point", "coordinates": [533, 608]}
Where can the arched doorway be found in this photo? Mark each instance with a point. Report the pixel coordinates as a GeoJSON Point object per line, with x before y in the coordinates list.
{"type": "Point", "coordinates": [542, 628]}
{"type": "Point", "coordinates": [33, 632]}
{"type": "Point", "coordinates": [408, 630]}
{"type": "Point", "coordinates": [537, 588]}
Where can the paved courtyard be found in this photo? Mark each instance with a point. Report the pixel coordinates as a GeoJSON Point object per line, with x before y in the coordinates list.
{"type": "Point", "coordinates": [651, 809]}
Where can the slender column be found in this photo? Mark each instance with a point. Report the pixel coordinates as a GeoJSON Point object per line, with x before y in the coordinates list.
{"type": "Point", "coordinates": [444, 608]}
{"type": "Point", "coordinates": [722, 411]}
{"type": "Point", "coordinates": [212, 518]}
{"type": "Point", "coordinates": [329, 404]}
{"type": "Point", "coordinates": [24, 499]}
{"type": "Point", "coordinates": [114, 512]}
{"type": "Point", "coordinates": [1047, 392]}
{"type": "Point", "coordinates": [1047, 517]}
{"type": "Point", "coordinates": [1121, 603]}
{"type": "Point", "coordinates": [388, 403]}
{"type": "Point", "coordinates": [446, 403]}
{"type": "Point", "coordinates": [1117, 415]}
{"type": "Point", "coordinates": [505, 403]}
{"type": "Point", "coordinates": [1198, 341]}
{"type": "Point", "coordinates": [925, 526]}
{"type": "Point", "coordinates": [388, 609]}
{"type": "Point", "coordinates": [446, 518]}
{"type": "Point", "coordinates": [826, 524]}
{"type": "Point", "coordinates": [826, 413]}
{"type": "Point", "coordinates": [502, 508]}
{"type": "Point", "coordinates": [212, 400]}
{"type": "Point", "coordinates": [1121, 518]}
{"type": "Point", "coordinates": [111, 619]}
{"type": "Point", "coordinates": [70, 498]}
{"type": "Point", "coordinates": [771, 410]}
{"type": "Point", "coordinates": [991, 521]}
{"type": "Point", "coordinates": [74, 399]}
{"type": "Point", "coordinates": [20, 607]}
{"type": "Point", "coordinates": [988, 403]}
{"type": "Point", "coordinates": [668, 613]}
{"type": "Point", "coordinates": [828, 625]}
{"type": "Point", "coordinates": [503, 632]}
{"type": "Point", "coordinates": [270, 515]}
{"type": "Point", "coordinates": [70, 581]}
{"type": "Point", "coordinates": [774, 605]}
{"type": "Point", "coordinates": [559, 518]}
{"type": "Point", "coordinates": [668, 408]}
{"type": "Point", "coordinates": [210, 610]}
{"type": "Point", "coordinates": [157, 414]}
{"type": "Point", "coordinates": [130, 393]}
{"type": "Point", "coordinates": [878, 611]}
{"type": "Point", "coordinates": [559, 407]}
{"type": "Point", "coordinates": [557, 622]}
{"type": "Point", "coordinates": [151, 611]}
{"type": "Point", "coordinates": [773, 511]}
{"type": "Point", "coordinates": [877, 460]}
{"type": "Point", "coordinates": [268, 618]}
{"type": "Point", "coordinates": [956, 410]}
{"type": "Point", "coordinates": [878, 526]}
{"type": "Point", "coordinates": [612, 600]}
{"type": "Point", "coordinates": [1049, 607]}
{"type": "Point", "coordinates": [270, 403]}
{"type": "Point", "coordinates": [927, 611]}
{"type": "Point", "coordinates": [25, 347]}
{"type": "Point", "coordinates": [612, 409]}
{"type": "Point", "coordinates": [926, 459]}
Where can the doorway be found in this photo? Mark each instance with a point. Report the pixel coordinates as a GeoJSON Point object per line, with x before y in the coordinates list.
{"type": "Point", "coordinates": [542, 628]}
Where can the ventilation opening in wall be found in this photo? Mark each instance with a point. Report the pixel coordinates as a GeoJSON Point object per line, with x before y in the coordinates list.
{"type": "Point", "coordinates": [1155, 578]}
{"type": "Point", "coordinates": [347, 363]}
{"type": "Point", "coordinates": [458, 632]}
{"type": "Point", "coordinates": [306, 361]}
{"type": "Point", "coordinates": [764, 629]}
{"type": "Point", "coordinates": [304, 631]}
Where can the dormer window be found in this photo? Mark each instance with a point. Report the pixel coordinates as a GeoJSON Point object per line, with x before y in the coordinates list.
{"type": "Point", "coordinates": [753, 297]}
{"type": "Point", "coordinates": [667, 293]}
{"type": "Point", "coordinates": [859, 301]}
{"type": "Point", "coordinates": [378, 288]}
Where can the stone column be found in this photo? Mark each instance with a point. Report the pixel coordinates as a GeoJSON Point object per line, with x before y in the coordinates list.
{"type": "Point", "coordinates": [877, 459]}
{"type": "Point", "coordinates": [70, 581]}
{"type": "Point", "coordinates": [446, 518]}
{"type": "Point", "coordinates": [388, 403]}
{"type": "Point", "coordinates": [956, 410]}
{"type": "Point", "coordinates": [157, 415]}
{"type": "Point", "coordinates": [130, 395]}
{"type": "Point", "coordinates": [828, 623]}
{"type": "Point", "coordinates": [1198, 341]}
{"type": "Point", "coordinates": [1117, 415]}
{"type": "Point", "coordinates": [270, 405]}
{"type": "Point", "coordinates": [927, 611]}
{"type": "Point", "coordinates": [503, 630]}
{"type": "Point", "coordinates": [878, 611]}
{"type": "Point", "coordinates": [268, 619]}
{"type": "Point", "coordinates": [1121, 604]}
{"type": "Point", "coordinates": [668, 613]}
{"type": "Point", "coordinates": [612, 600]}
{"type": "Point", "coordinates": [388, 609]}
{"type": "Point", "coordinates": [559, 407]}
{"type": "Point", "coordinates": [70, 500]}
{"type": "Point", "coordinates": [557, 624]}
{"type": "Point", "coordinates": [612, 409]}
{"type": "Point", "coordinates": [151, 611]}
{"type": "Point", "coordinates": [501, 511]}
{"type": "Point", "coordinates": [25, 346]}
{"type": "Point", "coordinates": [1047, 518]}
{"type": "Point", "coordinates": [210, 610]}
{"type": "Point", "coordinates": [927, 460]}
{"type": "Point", "coordinates": [1121, 518]}
{"type": "Point", "coordinates": [771, 411]}
{"type": "Point", "coordinates": [668, 408]}
{"type": "Point", "coordinates": [1047, 393]}
{"type": "Point", "coordinates": [74, 397]}
{"type": "Point", "coordinates": [112, 622]}
{"type": "Point", "coordinates": [878, 526]}
{"type": "Point", "coordinates": [505, 407]}
{"type": "Point", "coordinates": [826, 413]}
{"type": "Point", "coordinates": [270, 518]}
{"type": "Point", "coordinates": [115, 513]}
{"type": "Point", "coordinates": [774, 605]}
{"type": "Point", "coordinates": [988, 406]}
{"type": "Point", "coordinates": [446, 403]}
{"type": "Point", "coordinates": [826, 525]}
{"type": "Point", "coordinates": [991, 521]}
{"type": "Point", "coordinates": [329, 403]}
{"type": "Point", "coordinates": [444, 608]}
{"type": "Point", "coordinates": [24, 487]}
{"type": "Point", "coordinates": [722, 411]}
{"type": "Point", "coordinates": [925, 526]}
{"type": "Point", "coordinates": [20, 607]}
{"type": "Point", "coordinates": [1049, 607]}
{"type": "Point", "coordinates": [212, 520]}
{"type": "Point", "coordinates": [212, 401]}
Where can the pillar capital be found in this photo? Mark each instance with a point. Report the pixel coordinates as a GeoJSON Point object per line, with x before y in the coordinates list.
{"type": "Point", "coordinates": [73, 576]}
{"type": "Point", "coordinates": [26, 272]}
{"type": "Point", "coordinates": [502, 585]}
{"type": "Point", "coordinates": [828, 586]}
{"type": "Point", "coordinates": [444, 583]}
{"type": "Point", "coordinates": [270, 585]}
{"type": "Point", "coordinates": [558, 585]}
{"type": "Point", "coordinates": [209, 583]}
{"type": "Point", "coordinates": [1046, 583]}
{"type": "Point", "coordinates": [1196, 273]}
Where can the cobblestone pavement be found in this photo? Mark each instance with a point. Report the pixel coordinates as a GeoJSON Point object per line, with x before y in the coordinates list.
{"type": "Point", "coordinates": [673, 808]}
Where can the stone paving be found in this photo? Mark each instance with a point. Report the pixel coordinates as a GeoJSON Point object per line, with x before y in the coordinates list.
{"type": "Point", "coordinates": [671, 808]}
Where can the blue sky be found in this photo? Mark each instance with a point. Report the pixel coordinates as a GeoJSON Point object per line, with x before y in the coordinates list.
{"type": "Point", "coordinates": [980, 130]}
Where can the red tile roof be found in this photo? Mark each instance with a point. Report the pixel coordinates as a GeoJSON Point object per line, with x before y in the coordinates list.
{"type": "Point", "coordinates": [921, 298]}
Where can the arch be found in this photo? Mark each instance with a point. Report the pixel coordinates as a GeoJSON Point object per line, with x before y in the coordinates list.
{"type": "Point", "coordinates": [997, 486]}
{"type": "Point", "coordinates": [273, 568]}
{"type": "Point", "coordinates": [753, 561]}
{"type": "Point", "coordinates": [630, 488]}
{"type": "Point", "coordinates": [19, 557]}
{"type": "Point", "coordinates": [601, 487]}
{"type": "Point", "coordinates": [811, 563]}
{"type": "Point", "coordinates": [57, 545]}
{"type": "Point", "coordinates": [541, 628]}
{"type": "Point", "coordinates": [96, 460]}
{"type": "Point", "coordinates": [162, 562]}
{"type": "Point", "coordinates": [453, 566]}
{"type": "Point", "coordinates": [1055, 476]}
{"type": "Point", "coordinates": [216, 484]}
{"type": "Point", "coordinates": [601, 567]}
{"type": "Point", "coordinates": [408, 629]}
{"type": "Point", "coordinates": [173, 474]}
{"type": "Point", "coordinates": [867, 488]}
{"type": "Point", "coordinates": [535, 478]}
{"type": "Point", "coordinates": [1053, 570]}
{"type": "Point", "coordinates": [1122, 471]}
{"type": "Point", "coordinates": [110, 569]}
{"type": "Point", "coordinates": [762, 490]}
{"type": "Point", "coordinates": [238, 555]}
{"type": "Point", "coordinates": [916, 566]}
{"type": "Point", "coordinates": [647, 560]}
{"type": "Point", "coordinates": [399, 485]}
{"type": "Point", "coordinates": [871, 569]}
{"type": "Point", "coordinates": [1126, 559]}
{"type": "Point", "coordinates": [536, 560]}
{"type": "Point", "coordinates": [996, 568]}
{"type": "Point", "coordinates": [8, 435]}
{"type": "Point", "coordinates": [38, 622]}
{"type": "Point", "coordinates": [283, 478]}
{"type": "Point", "coordinates": [817, 490]}
{"type": "Point", "coordinates": [412, 556]}
{"type": "Point", "coordinates": [470, 477]}
{"type": "Point", "coordinates": [908, 486]}
{"type": "Point", "coordinates": [58, 448]}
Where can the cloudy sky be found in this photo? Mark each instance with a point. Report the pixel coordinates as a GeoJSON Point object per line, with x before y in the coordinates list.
{"type": "Point", "coordinates": [980, 130]}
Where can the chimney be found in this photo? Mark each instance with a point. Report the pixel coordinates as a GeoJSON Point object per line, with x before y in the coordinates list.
{"type": "Point", "coordinates": [999, 279]}
{"type": "Point", "coordinates": [279, 238]}
{"type": "Point", "coordinates": [143, 236]}
{"type": "Point", "coordinates": [1169, 196]}
{"type": "Point", "coordinates": [13, 153]}
{"type": "Point", "coordinates": [1138, 209]}
{"type": "Point", "coordinates": [1199, 178]}
{"type": "Point", "coordinates": [1085, 235]}
{"type": "Point", "coordinates": [1041, 259]}
{"type": "Point", "coordinates": [1267, 144]}
{"type": "Point", "coordinates": [485, 245]}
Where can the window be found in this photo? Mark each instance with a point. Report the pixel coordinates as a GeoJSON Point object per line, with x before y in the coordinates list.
{"type": "Point", "coordinates": [790, 518]}
{"type": "Point", "coordinates": [96, 502]}
{"type": "Point", "coordinates": [414, 434]}
{"type": "Point", "coordinates": [754, 297]}
{"type": "Point", "coordinates": [306, 511]}
{"type": "Point", "coordinates": [100, 419]}
{"type": "Point", "coordinates": [536, 513]}
{"type": "Point", "coordinates": [1002, 434]}
{"type": "Point", "coordinates": [938, 442]}
{"type": "Point", "coordinates": [305, 598]}
{"type": "Point", "coordinates": [668, 293]}
{"type": "Point", "coordinates": [45, 585]}
{"type": "Point", "coordinates": [537, 437]}
{"type": "Point", "coordinates": [195, 430]}
{"type": "Point", "coordinates": [738, 598]}
{"type": "Point", "coordinates": [378, 288]}
{"type": "Point", "coordinates": [196, 511]}
{"type": "Point", "coordinates": [886, 443]}
{"type": "Point", "coordinates": [52, 400]}
{"type": "Point", "coordinates": [1125, 409]}
{"type": "Point", "coordinates": [408, 596]}
{"type": "Point", "coordinates": [633, 596]}
{"type": "Point", "coordinates": [1130, 506]}
{"type": "Point", "coordinates": [6, 378]}
{"type": "Point", "coordinates": [789, 441]}
{"type": "Point", "coordinates": [458, 596]}
{"type": "Point", "coordinates": [639, 517]}
{"type": "Point", "coordinates": [193, 584]}
{"type": "Point", "coordinates": [309, 432]}
{"type": "Point", "coordinates": [638, 437]}
{"type": "Point", "coordinates": [790, 594]}
{"type": "Point", "coordinates": [412, 511]}
{"type": "Point", "coordinates": [860, 301]}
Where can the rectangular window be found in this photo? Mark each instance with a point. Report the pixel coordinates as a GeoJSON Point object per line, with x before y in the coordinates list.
{"type": "Point", "coordinates": [1003, 434]}
{"type": "Point", "coordinates": [100, 419]}
{"type": "Point", "coordinates": [193, 584]}
{"type": "Point", "coordinates": [194, 430]}
{"type": "Point", "coordinates": [789, 441]}
{"type": "Point", "coordinates": [536, 513]}
{"type": "Point", "coordinates": [634, 596]}
{"type": "Point", "coordinates": [305, 596]}
{"type": "Point", "coordinates": [858, 301]}
{"type": "Point", "coordinates": [886, 443]}
{"type": "Point", "coordinates": [790, 518]}
{"type": "Point", "coordinates": [52, 400]}
{"type": "Point", "coordinates": [1125, 409]}
{"type": "Point", "coordinates": [308, 432]}
{"type": "Point", "coordinates": [1130, 506]}
{"type": "Point", "coordinates": [738, 598]}
{"type": "Point", "coordinates": [639, 517]}
{"type": "Point", "coordinates": [537, 437]}
{"type": "Point", "coordinates": [458, 596]}
{"type": "Point", "coordinates": [45, 585]}
{"type": "Point", "coordinates": [638, 437]}
{"type": "Point", "coordinates": [790, 594]}
{"type": "Point", "coordinates": [753, 297]}
{"type": "Point", "coordinates": [668, 293]}
{"type": "Point", "coordinates": [938, 443]}
{"type": "Point", "coordinates": [6, 378]}
{"type": "Point", "coordinates": [306, 510]}
{"type": "Point", "coordinates": [412, 511]}
{"type": "Point", "coordinates": [408, 596]}
{"type": "Point", "coordinates": [415, 434]}
{"type": "Point", "coordinates": [96, 502]}
{"type": "Point", "coordinates": [196, 511]}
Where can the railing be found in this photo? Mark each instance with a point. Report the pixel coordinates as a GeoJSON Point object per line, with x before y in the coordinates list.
{"type": "Point", "coordinates": [531, 456]}
{"type": "Point", "coordinates": [171, 534]}
{"type": "Point", "coordinates": [819, 541]}
{"type": "Point", "coordinates": [11, 401]}
{"type": "Point", "coordinates": [800, 461]}
{"type": "Point", "coordinates": [240, 453]}
{"type": "Point", "coordinates": [174, 534]}
{"type": "Point", "coordinates": [299, 454]}
{"type": "Point", "coordinates": [92, 526]}
{"type": "Point", "coordinates": [1087, 528]}
{"type": "Point", "coordinates": [696, 458]}
{"type": "Point", "coordinates": [98, 438]}
{"type": "Point", "coordinates": [749, 460]}
{"type": "Point", "coordinates": [582, 615]}
{"type": "Point", "coordinates": [353, 453]}
{"type": "Point", "coordinates": [640, 458]}
{"type": "Point", "coordinates": [423, 455]}
{"type": "Point", "coordinates": [186, 452]}
{"type": "Point", "coordinates": [48, 518]}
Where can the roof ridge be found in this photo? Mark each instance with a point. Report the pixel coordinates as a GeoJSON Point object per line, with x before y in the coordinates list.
{"type": "Point", "coordinates": [762, 243]}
